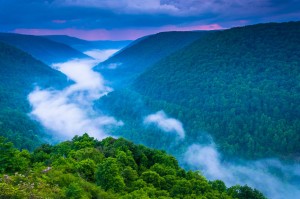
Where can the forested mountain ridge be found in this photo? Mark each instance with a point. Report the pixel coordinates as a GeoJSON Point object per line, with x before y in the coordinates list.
{"type": "Point", "coordinates": [84, 45]}
{"type": "Point", "coordinates": [19, 74]}
{"type": "Point", "coordinates": [41, 48]}
{"type": "Point", "coordinates": [87, 168]}
{"type": "Point", "coordinates": [241, 85]}
{"type": "Point", "coordinates": [142, 53]}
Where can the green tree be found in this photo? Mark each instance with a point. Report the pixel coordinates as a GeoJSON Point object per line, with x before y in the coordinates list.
{"type": "Point", "coordinates": [108, 175]}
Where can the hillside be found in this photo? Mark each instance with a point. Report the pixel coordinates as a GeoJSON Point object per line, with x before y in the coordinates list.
{"type": "Point", "coordinates": [134, 59]}
{"type": "Point", "coordinates": [84, 45]}
{"type": "Point", "coordinates": [241, 85]}
{"type": "Point", "coordinates": [87, 168]}
{"type": "Point", "coordinates": [41, 48]}
{"type": "Point", "coordinates": [19, 74]}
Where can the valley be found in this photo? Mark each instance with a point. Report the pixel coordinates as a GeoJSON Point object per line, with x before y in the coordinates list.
{"type": "Point", "coordinates": [221, 102]}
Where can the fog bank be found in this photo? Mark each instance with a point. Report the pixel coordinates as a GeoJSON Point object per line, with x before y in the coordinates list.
{"type": "Point", "coordinates": [165, 123]}
{"type": "Point", "coordinates": [69, 112]}
{"type": "Point", "coordinates": [275, 179]}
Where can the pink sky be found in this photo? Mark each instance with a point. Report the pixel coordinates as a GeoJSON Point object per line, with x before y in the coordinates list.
{"type": "Point", "coordinates": [115, 34]}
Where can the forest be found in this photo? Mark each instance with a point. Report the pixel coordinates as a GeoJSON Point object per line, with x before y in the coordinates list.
{"type": "Point", "coordinates": [240, 85]}
{"type": "Point", "coordinates": [123, 67]}
{"type": "Point", "coordinates": [18, 78]}
{"type": "Point", "coordinates": [111, 168]}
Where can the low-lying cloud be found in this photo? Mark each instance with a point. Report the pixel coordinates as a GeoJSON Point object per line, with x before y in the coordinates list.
{"type": "Point", "coordinates": [101, 55]}
{"type": "Point", "coordinates": [165, 123]}
{"type": "Point", "coordinates": [258, 174]}
{"type": "Point", "coordinates": [69, 112]}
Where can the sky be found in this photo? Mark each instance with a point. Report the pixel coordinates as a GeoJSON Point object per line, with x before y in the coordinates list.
{"type": "Point", "coordinates": [131, 19]}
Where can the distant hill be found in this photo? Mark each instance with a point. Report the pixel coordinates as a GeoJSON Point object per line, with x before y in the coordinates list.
{"type": "Point", "coordinates": [142, 53]}
{"type": "Point", "coordinates": [41, 48]}
{"type": "Point", "coordinates": [241, 85]}
{"type": "Point", "coordinates": [84, 45]}
{"type": "Point", "coordinates": [19, 74]}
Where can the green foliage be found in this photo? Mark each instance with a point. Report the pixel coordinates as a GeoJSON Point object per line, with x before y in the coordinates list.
{"type": "Point", "coordinates": [110, 169]}
{"type": "Point", "coordinates": [245, 192]}
{"type": "Point", "coordinates": [19, 74]}
{"type": "Point", "coordinates": [108, 175]}
{"type": "Point", "coordinates": [142, 53]}
{"type": "Point", "coordinates": [239, 85]}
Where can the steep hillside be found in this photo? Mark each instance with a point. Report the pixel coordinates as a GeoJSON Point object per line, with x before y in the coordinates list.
{"type": "Point", "coordinates": [142, 53]}
{"type": "Point", "coordinates": [241, 85]}
{"type": "Point", "coordinates": [19, 74]}
{"type": "Point", "coordinates": [109, 169]}
{"type": "Point", "coordinates": [41, 48]}
{"type": "Point", "coordinates": [83, 45]}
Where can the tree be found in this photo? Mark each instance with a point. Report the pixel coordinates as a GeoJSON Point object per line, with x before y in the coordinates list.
{"type": "Point", "coordinates": [87, 169]}
{"type": "Point", "coordinates": [108, 175]}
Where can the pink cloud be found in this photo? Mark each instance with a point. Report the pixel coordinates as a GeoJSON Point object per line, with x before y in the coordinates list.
{"type": "Point", "coordinates": [59, 21]}
{"type": "Point", "coordinates": [115, 34]}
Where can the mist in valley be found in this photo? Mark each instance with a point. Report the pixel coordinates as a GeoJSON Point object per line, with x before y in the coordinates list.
{"type": "Point", "coordinates": [69, 112]}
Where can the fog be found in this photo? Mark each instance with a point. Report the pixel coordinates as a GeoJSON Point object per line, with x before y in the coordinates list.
{"type": "Point", "coordinates": [69, 112]}
{"type": "Point", "coordinates": [165, 123]}
{"type": "Point", "coordinates": [101, 55]}
{"type": "Point", "coordinates": [270, 176]}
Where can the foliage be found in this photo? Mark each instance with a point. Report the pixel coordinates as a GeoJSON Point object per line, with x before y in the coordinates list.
{"type": "Point", "coordinates": [19, 73]}
{"type": "Point", "coordinates": [239, 85]}
{"type": "Point", "coordinates": [124, 170]}
{"type": "Point", "coordinates": [125, 65]}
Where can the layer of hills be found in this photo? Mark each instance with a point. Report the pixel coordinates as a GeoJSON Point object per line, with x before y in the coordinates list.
{"type": "Point", "coordinates": [239, 85]}
{"type": "Point", "coordinates": [108, 169]}
{"type": "Point", "coordinates": [142, 53]}
{"type": "Point", "coordinates": [19, 74]}
{"type": "Point", "coordinates": [43, 49]}
{"type": "Point", "coordinates": [83, 45]}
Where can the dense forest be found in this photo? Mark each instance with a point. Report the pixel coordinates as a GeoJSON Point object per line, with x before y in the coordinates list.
{"type": "Point", "coordinates": [240, 85]}
{"type": "Point", "coordinates": [41, 48]}
{"type": "Point", "coordinates": [19, 74]}
{"type": "Point", "coordinates": [142, 53]}
{"type": "Point", "coordinates": [112, 168]}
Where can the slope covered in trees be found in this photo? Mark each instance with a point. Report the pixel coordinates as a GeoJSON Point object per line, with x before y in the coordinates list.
{"type": "Point", "coordinates": [142, 53]}
{"type": "Point", "coordinates": [87, 168]}
{"type": "Point", "coordinates": [41, 48]}
{"type": "Point", "coordinates": [83, 45]}
{"type": "Point", "coordinates": [19, 74]}
{"type": "Point", "coordinates": [240, 85]}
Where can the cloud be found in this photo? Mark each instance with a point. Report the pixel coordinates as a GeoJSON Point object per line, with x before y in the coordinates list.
{"type": "Point", "coordinates": [163, 122]}
{"type": "Point", "coordinates": [132, 6]}
{"type": "Point", "coordinates": [259, 174]}
{"type": "Point", "coordinates": [130, 19]}
{"type": "Point", "coordinates": [101, 55]}
{"type": "Point", "coordinates": [116, 34]}
{"type": "Point", "coordinates": [69, 112]}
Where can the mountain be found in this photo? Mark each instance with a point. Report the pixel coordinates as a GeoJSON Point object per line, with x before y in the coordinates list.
{"type": "Point", "coordinates": [241, 86]}
{"type": "Point", "coordinates": [84, 45]}
{"type": "Point", "coordinates": [19, 74]}
{"type": "Point", "coordinates": [142, 53]}
{"type": "Point", "coordinates": [108, 169]}
{"type": "Point", "coordinates": [41, 48]}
